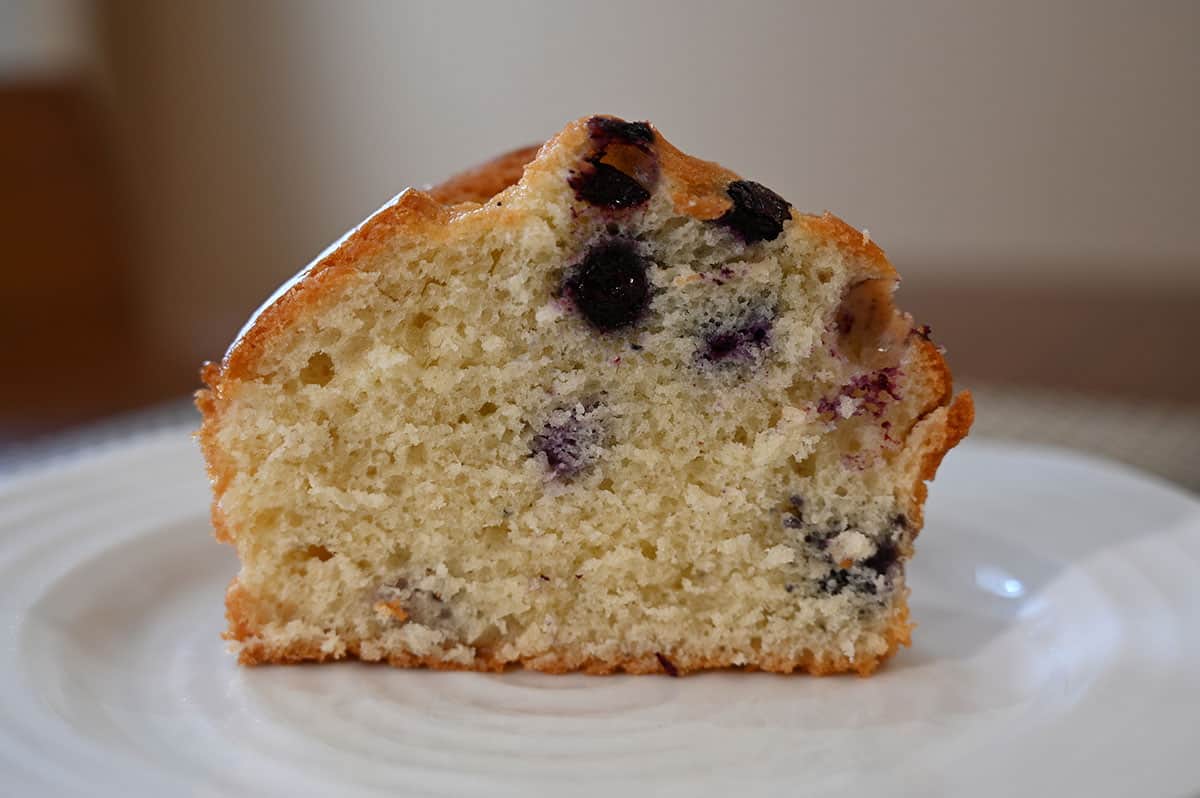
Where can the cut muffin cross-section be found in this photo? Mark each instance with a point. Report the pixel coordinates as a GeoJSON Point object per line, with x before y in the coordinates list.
{"type": "Point", "coordinates": [600, 407]}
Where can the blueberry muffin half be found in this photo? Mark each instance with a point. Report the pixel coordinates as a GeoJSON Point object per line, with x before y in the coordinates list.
{"type": "Point", "coordinates": [611, 408]}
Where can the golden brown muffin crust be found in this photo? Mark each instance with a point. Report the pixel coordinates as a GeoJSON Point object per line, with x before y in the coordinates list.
{"type": "Point", "coordinates": [479, 184]}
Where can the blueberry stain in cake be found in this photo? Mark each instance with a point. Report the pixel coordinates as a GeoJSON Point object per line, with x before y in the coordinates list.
{"type": "Point", "coordinates": [757, 213]}
{"type": "Point", "coordinates": [570, 440]}
{"type": "Point", "coordinates": [723, 275]}
{"type": "Point", "coordinates": [610, 287]}
{"type": "Point", "coordinates": [877, 389]}
{"type": "Point", "coordinates": [739, 344]}
{"type": "Point", "coordinates": [868, 393]}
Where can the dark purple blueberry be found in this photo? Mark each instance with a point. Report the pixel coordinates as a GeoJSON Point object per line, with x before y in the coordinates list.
{"type": "Point", "coordinates": [758, 213]}
{"type": "Point", "coordinates": [569, 440]}
{"type": "Point", "coordinates": [604, 185]}
{"type": "Point", "coordinates": [606, 129]}
{"type": "Point", "coordinates": [885, 556]}
{"type": "Point", "coordinates": [608, 187]}
{"type": "Point", "coordinates": [610, 286]}
{"type": "Point", "coordinates": [742, 343]}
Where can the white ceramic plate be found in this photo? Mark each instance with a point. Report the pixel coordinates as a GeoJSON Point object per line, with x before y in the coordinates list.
{"type": "Point", "coordinates": [1058, 653]}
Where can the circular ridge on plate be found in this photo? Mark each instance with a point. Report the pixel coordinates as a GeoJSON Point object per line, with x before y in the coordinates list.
{"type": "Point", "coordinates": [1055, 595]}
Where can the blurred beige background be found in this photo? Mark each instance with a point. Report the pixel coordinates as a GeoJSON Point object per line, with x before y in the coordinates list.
{"type": "Point", "coordinates": [1031, 168]}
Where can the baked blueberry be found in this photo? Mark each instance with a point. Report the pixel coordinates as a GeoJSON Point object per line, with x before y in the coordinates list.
{"type": "Point", "coordinates": [884, 558]}
{"type": "Point", "coordinates": [605, 129]}
{"type": "Point", "coordinates": [621, 166]}
{"type": "Point", "coordinates": [610, 287]}
{"type": "Point", "coordinates": [757, 214]}
{"type": "Point", "coordinates": [608, 187]}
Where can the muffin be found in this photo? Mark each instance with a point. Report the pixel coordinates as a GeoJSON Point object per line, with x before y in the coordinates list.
{"type": "Point", "coordinates": [600, 406]}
